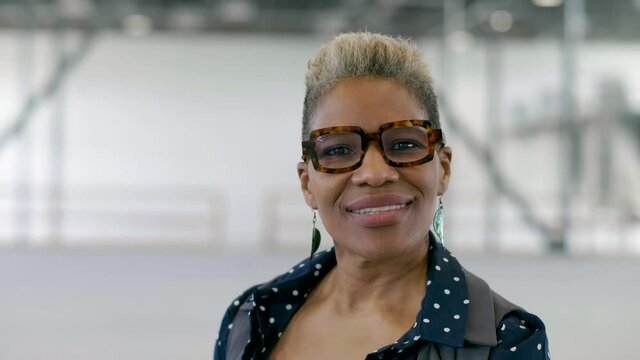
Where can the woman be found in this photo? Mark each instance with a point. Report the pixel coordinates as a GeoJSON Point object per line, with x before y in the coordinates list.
{"type": "Point", "coordinates": [374, 166]}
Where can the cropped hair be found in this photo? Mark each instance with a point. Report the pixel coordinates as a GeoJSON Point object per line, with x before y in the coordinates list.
{"type": "Point", "coordinates": [365, 54]}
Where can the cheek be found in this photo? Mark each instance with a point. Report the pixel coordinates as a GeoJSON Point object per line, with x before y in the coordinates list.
{"type": "Point", "coordinates": [327, 188]}
{"type": "Point", "coordinates": [426, 183]}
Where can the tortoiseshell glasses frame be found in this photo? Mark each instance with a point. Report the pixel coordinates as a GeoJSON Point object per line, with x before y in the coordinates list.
{"type": "Point", "coordinates": [434, 137]}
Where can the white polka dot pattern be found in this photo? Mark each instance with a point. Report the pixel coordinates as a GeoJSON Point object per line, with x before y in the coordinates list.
{"type": "Point", "coordinates": [518, 333]}
{"type": "Point", "coordinates": [442, 318]}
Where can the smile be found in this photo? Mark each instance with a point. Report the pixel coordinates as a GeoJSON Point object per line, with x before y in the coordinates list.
{"type": "Point", "coordinates": [377, 210]}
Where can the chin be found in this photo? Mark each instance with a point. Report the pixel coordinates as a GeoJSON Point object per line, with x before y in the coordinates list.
{"type": "Point", "coordinates": [374, 244]}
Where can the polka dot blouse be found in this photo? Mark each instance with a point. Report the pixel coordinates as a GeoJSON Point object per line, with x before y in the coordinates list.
{"type": "Point", "coordinates": [441, 319]}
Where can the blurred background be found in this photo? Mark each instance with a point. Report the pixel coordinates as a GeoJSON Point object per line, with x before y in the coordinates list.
{"type": "Point", "coordinates": [148, 152]}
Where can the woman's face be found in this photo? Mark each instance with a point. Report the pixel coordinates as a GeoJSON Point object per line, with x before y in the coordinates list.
{"type": "Point", "coordinates": [375, 211]}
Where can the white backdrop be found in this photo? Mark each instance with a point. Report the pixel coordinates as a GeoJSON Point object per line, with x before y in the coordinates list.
{"type": "Point", "coordinates": [200, 110]}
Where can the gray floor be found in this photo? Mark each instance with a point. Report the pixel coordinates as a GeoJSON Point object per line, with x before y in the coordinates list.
{"type": "Point", "coordinates": [107, 304]}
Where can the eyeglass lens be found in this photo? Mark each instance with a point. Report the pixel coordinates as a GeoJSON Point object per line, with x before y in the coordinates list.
{"type": "Point", "coordinates": [400, 145]}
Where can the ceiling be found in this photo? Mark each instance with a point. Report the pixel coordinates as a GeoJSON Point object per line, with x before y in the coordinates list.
{"type": "Point", "coordinates": [603, 19]}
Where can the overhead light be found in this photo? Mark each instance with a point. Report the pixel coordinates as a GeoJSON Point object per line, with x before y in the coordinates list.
{"type": "Point", "coordinates": [76, 9]}
{"type": "Point", "coordinates": [547, 3]}
{"type": "Point", "coordinates": [239, 11]}
{"type": "Point", "coordinates": [501, 21]}
{"type": "Point", "coordinates": [137, 25]}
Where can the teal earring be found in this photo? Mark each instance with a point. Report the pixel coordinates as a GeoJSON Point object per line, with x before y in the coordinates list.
{"type": "Point", "coordinates": [438, 221]}
{"type": "Point", "coordinates": [315, 236]}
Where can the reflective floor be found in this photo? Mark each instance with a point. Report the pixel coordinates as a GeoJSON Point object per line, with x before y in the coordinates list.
{"type": "Point", "coordinates": [107, 304]}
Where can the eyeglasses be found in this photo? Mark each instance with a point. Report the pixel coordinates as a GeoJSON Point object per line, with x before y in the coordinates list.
{"type": "Point", "coordinates": [403, 143]}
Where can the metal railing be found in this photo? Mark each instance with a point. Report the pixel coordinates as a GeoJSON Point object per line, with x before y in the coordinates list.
{"type": "Point", "coordinates": [115, 215]}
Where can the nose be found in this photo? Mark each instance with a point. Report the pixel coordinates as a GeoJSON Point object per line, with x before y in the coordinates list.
{"type": "Point", "coordinates": [374, 171]}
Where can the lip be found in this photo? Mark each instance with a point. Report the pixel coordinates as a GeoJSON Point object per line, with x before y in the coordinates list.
{"type": "Point", "coordinates": [384, 218]}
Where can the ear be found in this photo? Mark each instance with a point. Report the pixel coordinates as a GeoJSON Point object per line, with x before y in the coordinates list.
{"type": "Point", "coordinates": [303, 175]}
{"type": "Point", "coordinates": [444, 158]}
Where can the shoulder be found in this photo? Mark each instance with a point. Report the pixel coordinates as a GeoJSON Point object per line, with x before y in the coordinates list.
{"type": "Point", "coordinates": [246, 297]}
{"type": "Point", "coordinates": [515, 333]}
{"type": "Point", "coordinates": [228, 321]}
{"type": "Point", "coordinates": [521, 335]}
{"type": "Point", "coordinates": [234, 325]}
{"type": "Point", "coordinates": [233, 321]}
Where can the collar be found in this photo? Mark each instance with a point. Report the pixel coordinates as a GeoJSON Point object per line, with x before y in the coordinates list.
{"type": "Point", "coordinates": [444, 313]}
{"type": "Point", "coordinates": [457, 307]}
{"type": "Point", "coordinates": [477, 316]}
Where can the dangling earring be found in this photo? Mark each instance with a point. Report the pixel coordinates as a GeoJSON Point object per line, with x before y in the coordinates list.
{"type": "Point", "coordinates": [438, 221]}
{"type": "Point", "coordinates": [315, 236]}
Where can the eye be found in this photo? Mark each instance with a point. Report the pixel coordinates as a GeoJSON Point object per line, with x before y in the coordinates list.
{"type": "Point", "coordinates": [405, 145]}
{"type": "Point", "coordinates": [338, 150]}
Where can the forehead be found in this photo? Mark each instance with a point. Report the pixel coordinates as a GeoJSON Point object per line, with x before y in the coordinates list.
{"type": "Point", "coordinates": [365, 102]}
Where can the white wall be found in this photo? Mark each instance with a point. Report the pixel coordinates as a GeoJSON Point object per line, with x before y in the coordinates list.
{"type": "Point", "coordinates": [198, 110]}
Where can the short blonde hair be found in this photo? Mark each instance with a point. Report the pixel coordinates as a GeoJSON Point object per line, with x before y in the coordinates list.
{"type": "Point", "coordinates": [368, 54]}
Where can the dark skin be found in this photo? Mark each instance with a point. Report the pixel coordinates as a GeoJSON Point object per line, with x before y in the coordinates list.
{"type": "Point", "coordinates": [373, 294]}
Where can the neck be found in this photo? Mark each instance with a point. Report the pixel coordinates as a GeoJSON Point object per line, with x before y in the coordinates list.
{"type": "Point", "coordinates": [359, 284]}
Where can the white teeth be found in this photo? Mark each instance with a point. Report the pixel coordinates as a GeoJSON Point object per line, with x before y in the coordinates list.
{"type": "Point", "coordinates": [378, 210]}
